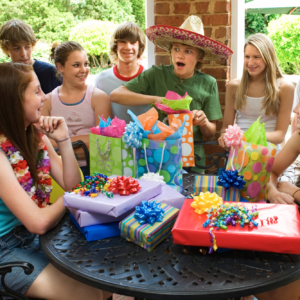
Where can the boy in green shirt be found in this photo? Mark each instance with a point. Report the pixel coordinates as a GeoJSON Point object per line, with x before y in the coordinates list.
{"type": "Point", "coordinates": [187, 46]}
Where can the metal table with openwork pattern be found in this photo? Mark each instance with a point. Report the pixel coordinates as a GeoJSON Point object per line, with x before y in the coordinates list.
{"type": "Point", "coordinates": [170, 271]}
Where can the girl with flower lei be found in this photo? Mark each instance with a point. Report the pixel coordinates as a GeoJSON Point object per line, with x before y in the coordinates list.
{"type": "Point", "coordinates": [27, 159]}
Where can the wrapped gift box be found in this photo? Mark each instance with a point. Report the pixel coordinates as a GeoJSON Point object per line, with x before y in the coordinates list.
{"type": "Point", "coordinates": [280, 237]}
{"type": "Point", "coordinates": [98, 232]}
{"type": "Point", "coordinates": [146, 235]}
{"type": "Point", "coordinates": [85, 218]}
{"type": "Point", "coordinates": [116, 206]}
{"type": "Point", "coordinates": [170, 196]}
{"type": "Point", "coordinates": [205, 183]}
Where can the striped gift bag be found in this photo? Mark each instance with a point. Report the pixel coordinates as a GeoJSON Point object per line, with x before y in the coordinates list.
{"type": "Point", "coordinates": [146, 235]}
{"type": "Point", "coordinates": [204, 183]}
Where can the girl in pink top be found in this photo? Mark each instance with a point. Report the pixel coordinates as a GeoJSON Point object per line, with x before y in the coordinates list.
{"type": "Point", "coordinates": [79, 103]}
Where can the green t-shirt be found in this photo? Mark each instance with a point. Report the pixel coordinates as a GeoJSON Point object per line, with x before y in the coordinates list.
{"type": "Point", "coordinates": [158, 80]}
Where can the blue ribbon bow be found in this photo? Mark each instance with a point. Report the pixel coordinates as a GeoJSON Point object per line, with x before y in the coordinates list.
{"type": "Point", "coordinates": [149, 212]}
{"type": "Point", "coordinates": [229, 179]}
{"type": "Point", "coordinates": [133, 135]}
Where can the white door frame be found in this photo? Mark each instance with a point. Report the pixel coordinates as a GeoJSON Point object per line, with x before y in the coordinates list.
{"type": "Point", "coordinates": [150, 50]}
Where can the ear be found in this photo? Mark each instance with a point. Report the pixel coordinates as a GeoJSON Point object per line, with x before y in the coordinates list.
{"type": "Point", "coordinates": [59, 67]}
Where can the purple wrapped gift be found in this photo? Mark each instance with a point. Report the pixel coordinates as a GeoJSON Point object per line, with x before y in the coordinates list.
{"type": "Point", "coordinates": [116, 206]}
{"type": "Point", "coordinates": [170, 196]}
{"type": "Point", "coordinates": [85, 218]}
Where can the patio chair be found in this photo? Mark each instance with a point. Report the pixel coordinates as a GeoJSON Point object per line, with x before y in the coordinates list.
{"type": "Point", "coordinates": [7, 268]}
{"type": "Point", "coordinates": [218, 162]}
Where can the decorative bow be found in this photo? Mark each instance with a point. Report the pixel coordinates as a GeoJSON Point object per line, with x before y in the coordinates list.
{"type": "Point", "coordinates": [206, 201]}
{"type": "Point", "coordinates": [149, 212]}
{"type": "Point", "coordinates": [124, 186]}
{"type": "Point", "coordinates": [153, 177]}
{"type": "Point", "coordinates": [133, 135]}
{"type": "Point", "coordinates": [230, 179]}
{"type": "Point", "coordinates": [233, 136]}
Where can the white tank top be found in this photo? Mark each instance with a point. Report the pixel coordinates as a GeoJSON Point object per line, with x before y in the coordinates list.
{"type": "Point", "coordinates": [253, 109]}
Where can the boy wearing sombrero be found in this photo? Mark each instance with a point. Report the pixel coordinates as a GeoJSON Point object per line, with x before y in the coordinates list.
{"type": "Point", "coordinates": [187, 46]}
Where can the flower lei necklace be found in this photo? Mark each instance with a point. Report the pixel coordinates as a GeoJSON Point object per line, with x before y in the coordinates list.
{"type": "Point", "coordinates": [40, 192]}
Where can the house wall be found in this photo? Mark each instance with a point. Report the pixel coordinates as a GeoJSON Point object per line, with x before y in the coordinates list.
{"type": "Point", "coordinates": [216, 18]}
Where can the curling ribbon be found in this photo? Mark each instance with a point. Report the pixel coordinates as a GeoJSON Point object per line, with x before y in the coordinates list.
{"type": "Point", "coordinates": [133, 135]}
{"type": "Point", "coordinates": [229, 179]}
{"type": "Point", "coordinates": [149, 212]}
{"type": "Point", "coordinates": [206, 201]}
{"type": "Point", "coordinates": [124, 186]}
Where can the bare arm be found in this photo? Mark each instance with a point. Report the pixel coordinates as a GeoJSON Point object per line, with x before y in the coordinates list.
{"type": "Point", "coordinates": [283, 159]}
{"type": "Point", "coordinates": [294, 124]}
{"type": "Point", "coordinates": [286, 95]}
{"type": "Point", "coordinates": [101, 105]}
{"type": "Point", "coordinates": [122, 95]}
{"type": "Point", "coordinates": [207, 128]}
{"type": "Point", "coordinates": [229, 113]}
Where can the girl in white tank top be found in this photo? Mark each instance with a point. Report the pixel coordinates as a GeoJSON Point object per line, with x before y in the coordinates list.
{"type": "Point", "coordinates": [80, 104]}
{"type": "Point", "coordinates": [262, 91]}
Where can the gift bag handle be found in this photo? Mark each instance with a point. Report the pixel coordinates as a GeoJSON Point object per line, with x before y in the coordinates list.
{"type": "Point", "coordinates": [162, 157]}
{"type": "Point", "coordinates": [102, 163]}
{"type": "Point", "coordinates": [232, 166]}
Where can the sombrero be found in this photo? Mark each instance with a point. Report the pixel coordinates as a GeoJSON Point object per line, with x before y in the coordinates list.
{"type": "Point", "coordinates": [190, 33]}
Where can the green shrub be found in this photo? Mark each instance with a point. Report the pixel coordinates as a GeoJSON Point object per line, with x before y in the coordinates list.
{"type": "Point", "coordinates": [285, 34]}
{"type": "Point", "coordinates": [288, 68]}
{"type": "Point", "coordinates": [93, 37]}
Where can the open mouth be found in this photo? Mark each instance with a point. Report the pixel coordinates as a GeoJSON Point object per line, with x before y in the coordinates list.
{"type": "Point", "coordinates": [180, 64]}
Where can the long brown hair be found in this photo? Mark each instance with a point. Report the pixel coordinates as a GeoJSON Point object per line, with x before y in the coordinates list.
{"type": "Point", "coordinates": [272, 72]}
{"type": "Point", "coordinates": [14, 79]}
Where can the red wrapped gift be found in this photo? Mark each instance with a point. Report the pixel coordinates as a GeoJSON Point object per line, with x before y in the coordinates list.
{"type": "Point", "coordinates": [278, 230]}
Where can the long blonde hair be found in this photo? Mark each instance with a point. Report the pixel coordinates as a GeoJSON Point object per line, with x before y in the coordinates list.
{"type": "Point", "coordinates": [272, 72]}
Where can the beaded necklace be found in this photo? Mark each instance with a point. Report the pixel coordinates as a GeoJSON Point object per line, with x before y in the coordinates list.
{"type": "Point", "coordinates": [39, 192]}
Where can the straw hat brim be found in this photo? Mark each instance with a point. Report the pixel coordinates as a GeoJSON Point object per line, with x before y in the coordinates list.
{"type": "Point", "coordinates": [163, 36]}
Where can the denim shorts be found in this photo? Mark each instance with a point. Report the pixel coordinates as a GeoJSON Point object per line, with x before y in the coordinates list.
{"type": "Point", "coordinates": [21, 245]}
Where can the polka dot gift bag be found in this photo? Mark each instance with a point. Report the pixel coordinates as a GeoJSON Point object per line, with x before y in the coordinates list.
{"type": "Point", "coordinates": [255, 164]}
{"type": "Point", "coordinates": [163, 157]}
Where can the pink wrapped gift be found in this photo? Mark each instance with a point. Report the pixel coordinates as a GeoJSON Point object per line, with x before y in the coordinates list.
{"type": "Point", "coordinates": [116, 206]}
{"type": "Point", "coordinates": [170, 196]}
{"type": "Point", "coordinates": [85, 218]}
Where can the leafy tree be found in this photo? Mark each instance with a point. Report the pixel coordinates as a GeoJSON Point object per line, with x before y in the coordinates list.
{"type": "Point", "coordinates": [285, 34]}
{"type": "Point", "coordinates": [48, 23]}
{"type": "Point", "coordinates": [105, 10]}
{"type": "Point", "coordinates": [138, 10]}
{"type": "Point", "coordinates": [258, 23]}
{"type": "Point", "coordinates": [93, 36]}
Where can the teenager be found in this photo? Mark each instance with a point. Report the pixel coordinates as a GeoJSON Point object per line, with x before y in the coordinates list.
{"type": "Point", "coordinates": [79, 103]}
{"type": "Point", "coordinates": [17, 41]}
{"type": "Point", "coordinates": [187, 46]}
{"type": "Point", "coordinates": [126, 47]}
{"type": "Point", "coordinates": [27, 160]}
{"type": "Point", "coordinates": [262, 91]}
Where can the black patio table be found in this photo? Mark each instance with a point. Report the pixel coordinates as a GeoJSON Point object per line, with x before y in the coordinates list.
{"type": "Point", "coordinates": [170, 271]}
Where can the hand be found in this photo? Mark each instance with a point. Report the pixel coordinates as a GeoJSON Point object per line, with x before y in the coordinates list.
{"type": "Point", "coordinates": [280, 198]}
{"type": "Point", "coordinates": [158, 100]}
{"type": "Point", "coordinates": [199, 118]}
{"type": "Point", "coordinates": [53, 127]}
{"type": "Point", "coordinates": [286, 187]}
{"type": "Point", "coordinates": [221, 141]}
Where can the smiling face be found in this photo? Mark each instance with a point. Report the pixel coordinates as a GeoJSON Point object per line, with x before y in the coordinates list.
{"type": "Point", "coordinates": [253, 61]}
{"type": "Point", "coordinates": [33, 101]}
{"type": "Point", "coordinates": [127, 52]}
{"type": "Point", "coordinates": [184, 59]}
{"type": "Point", "coordinates": [76, 68]}
{"type": "Point", "coordinates": [20, 53]}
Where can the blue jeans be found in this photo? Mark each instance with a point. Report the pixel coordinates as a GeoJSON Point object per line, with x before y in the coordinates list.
{"type": "Point", "coordinates": [21, 245]}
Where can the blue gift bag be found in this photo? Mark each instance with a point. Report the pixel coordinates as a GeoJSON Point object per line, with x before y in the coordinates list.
{"type": "Point", "coordinates": [164, 157]}
{"type": "Point", "coordinates": [98, 232]}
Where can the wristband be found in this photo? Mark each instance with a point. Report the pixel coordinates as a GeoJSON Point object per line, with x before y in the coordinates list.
{"type": "Point", "coordinates": [295, 193]}
{"type": "Point", "coordinates": [62, 140]}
